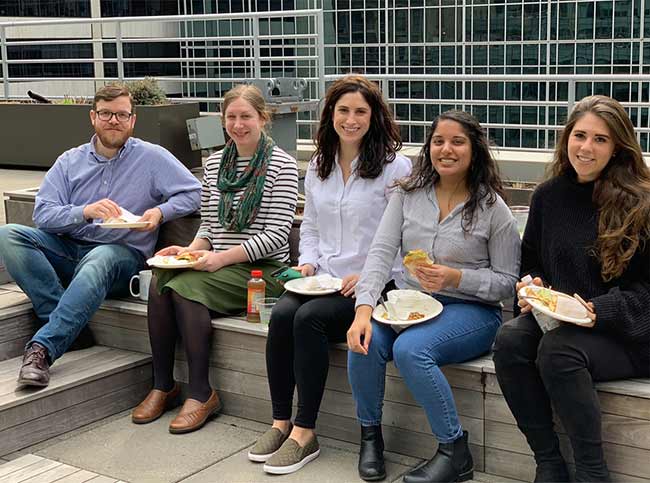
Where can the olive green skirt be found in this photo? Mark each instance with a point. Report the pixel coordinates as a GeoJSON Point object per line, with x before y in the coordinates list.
{"type": "Point", "coordinates": [223, 291]}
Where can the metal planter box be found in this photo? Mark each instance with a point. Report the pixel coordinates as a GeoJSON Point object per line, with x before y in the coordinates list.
{"type": "Point", "coordinates": [34, 135]}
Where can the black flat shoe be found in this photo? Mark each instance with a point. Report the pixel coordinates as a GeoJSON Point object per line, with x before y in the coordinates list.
{"type": "Point", "coordinates": [452, 463]}
{"type": "Point", "coordinates": [371, 454]}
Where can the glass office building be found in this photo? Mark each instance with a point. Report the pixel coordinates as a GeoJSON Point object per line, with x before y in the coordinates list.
{"type": "Point", "coordinates": [433, 38]}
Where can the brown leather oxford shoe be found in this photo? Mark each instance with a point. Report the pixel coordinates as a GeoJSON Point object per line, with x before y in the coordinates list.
{"type": "Point", "coordinates": [155, 404]}
{"type": "Point", "coordinates": [35, 370]}
{"type": "Point", "coordinates": [194, 414]}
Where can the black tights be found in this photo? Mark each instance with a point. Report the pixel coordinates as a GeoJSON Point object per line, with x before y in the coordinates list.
{"type": "Point", "coordinates": [170, 315]}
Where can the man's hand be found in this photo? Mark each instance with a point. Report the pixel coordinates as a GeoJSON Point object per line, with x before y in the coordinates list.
{"type": "Point", "coordinates": [436, 277]}
{"type": "Point", "coordinates": [102, 209]}
{"type": "Point", "coordinates": [153, 216]}
{"type": "Point", "coordinates": [208, 261]}
{"type": "Point", "coordinates": [348, 284]}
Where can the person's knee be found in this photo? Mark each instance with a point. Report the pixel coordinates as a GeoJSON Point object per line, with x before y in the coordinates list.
{"type": "Point", "coordinates": [557, 355]}
{"type": "Point", "coordinates": [406, 357]}
{"type": "Point", "coordinates": [506, 341]}
{"type": "Point", "coordinates": [281, 320]}
{"type": "Point", "coordinates": [10, 234]}
{"type": "Point", "coordinates": [304, 321]}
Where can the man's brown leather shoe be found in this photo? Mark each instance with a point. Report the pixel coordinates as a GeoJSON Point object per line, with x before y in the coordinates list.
{"type": "Point", "coordinates": [35, 370]}
{"type": "Point", "coordinates": [194, 414]}
{"type": "Point", "coordinates": [155, 404]}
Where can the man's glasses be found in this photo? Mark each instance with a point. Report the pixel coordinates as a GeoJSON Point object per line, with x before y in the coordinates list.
{"type": "Point", "coordinates": [121, 116]}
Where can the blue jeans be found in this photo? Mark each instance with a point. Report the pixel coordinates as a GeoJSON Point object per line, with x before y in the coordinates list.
{"type": "Point", "coordinates": [463, 331]}
{"type": "Point", "coordinates": [66, 279]}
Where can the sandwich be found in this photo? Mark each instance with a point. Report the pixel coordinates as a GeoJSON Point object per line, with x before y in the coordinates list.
{"type": "Point", "coordinates": [545, 297]}
{"type": "Point", "coordinates": [186, 257]}
{"type": "Point", "coordinates": [115, 219]}
{"type": "Point", "coordinates": [416, 258]}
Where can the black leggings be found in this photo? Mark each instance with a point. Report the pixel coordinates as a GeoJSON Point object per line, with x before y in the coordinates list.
{"type": "Point", "coordinates": [297, 348]}
{"type": "Point", "coordinates": [169, 316]}
{"type": "Point", "coordinates": [559, 367]}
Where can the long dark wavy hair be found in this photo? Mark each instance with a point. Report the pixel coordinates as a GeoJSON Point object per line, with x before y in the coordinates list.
{"type": "Point", "coordinates": [483, 179]}
{"type": "Point", "coordinates": [380, 143]}
{"type": "Point", "coordinates": [621, 192]}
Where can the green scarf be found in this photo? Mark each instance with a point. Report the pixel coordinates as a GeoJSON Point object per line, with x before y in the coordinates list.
{"type": "Point", "coordinates": [252, 179]}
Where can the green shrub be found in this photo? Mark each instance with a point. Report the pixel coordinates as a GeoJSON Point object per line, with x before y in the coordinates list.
{"type": "Point", "coordinates": [147, 92]}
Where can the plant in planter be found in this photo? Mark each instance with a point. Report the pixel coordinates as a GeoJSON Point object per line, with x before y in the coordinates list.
{"type": "Point", "coordinates": [35, 134]}
{"type": "Point", "coordinates": [147, 92]}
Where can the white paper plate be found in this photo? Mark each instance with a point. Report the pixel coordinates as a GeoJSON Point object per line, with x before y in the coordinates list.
{"type": "Point", "coordinates": [302, 286]}
{"type": "Point", "coordinates": [537, 305]}
{"type": "Point", "coordinates": [135, 224]}
{"type": "Point", "coordinates": [428, 306]}
{"type": "Point", "coordinates": [169, 262]}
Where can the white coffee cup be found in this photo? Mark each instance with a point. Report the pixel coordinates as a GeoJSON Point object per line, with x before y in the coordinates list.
{"type": "Point", "coordinates": [144, 280]}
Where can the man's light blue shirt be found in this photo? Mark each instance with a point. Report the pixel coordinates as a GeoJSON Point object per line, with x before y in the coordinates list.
{"type": "Point", "coordinates": [141, 176]}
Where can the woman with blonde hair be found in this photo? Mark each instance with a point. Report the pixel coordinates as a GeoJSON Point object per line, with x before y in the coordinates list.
{"type": "Point", "coordinates": [248, 202]}
{"type": "Point", "coordinates": [587, 233]}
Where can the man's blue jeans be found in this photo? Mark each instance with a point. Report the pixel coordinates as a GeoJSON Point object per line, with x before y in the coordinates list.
{"type": "Point", "coordinates": [66, 279]}
{"type": "Point", "coordinates": [463, 331]}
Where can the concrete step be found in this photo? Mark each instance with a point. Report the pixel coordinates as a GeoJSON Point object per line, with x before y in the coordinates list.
{"type": "Point", "coordinates": [17, 324]}
{"type": "Point", "coordinates": [85, 386]}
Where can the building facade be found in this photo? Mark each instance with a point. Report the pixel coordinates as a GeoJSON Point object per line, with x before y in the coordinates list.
{"type": "Point", "coordinates": [419, 40]}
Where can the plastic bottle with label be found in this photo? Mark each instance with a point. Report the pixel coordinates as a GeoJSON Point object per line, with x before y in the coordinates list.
{"type": "Point", "coordinates": [256, 293]}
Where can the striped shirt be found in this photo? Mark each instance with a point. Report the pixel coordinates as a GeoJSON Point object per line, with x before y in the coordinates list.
{"type": "Point", "coordinates": [268, 234]}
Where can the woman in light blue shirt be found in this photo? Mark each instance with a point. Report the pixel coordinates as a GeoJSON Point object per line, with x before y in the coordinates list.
{"type": "Point", "coordinates": [450, 207]}
{"type": "Point", "coordinates": [347, 187]}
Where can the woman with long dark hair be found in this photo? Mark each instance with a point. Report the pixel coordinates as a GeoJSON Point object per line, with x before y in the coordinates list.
{"type": "Point", "coordinates": [587, 233]}
{"type": "Point", "coordinates": [248, 202]}
{"type": "Point", "coordinates": [347, 187]}
{"type": "Point", "coordinates": [452, 208]}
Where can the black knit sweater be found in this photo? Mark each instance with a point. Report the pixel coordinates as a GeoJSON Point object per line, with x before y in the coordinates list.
{"type": "Point", "coordinates": [557, 246]}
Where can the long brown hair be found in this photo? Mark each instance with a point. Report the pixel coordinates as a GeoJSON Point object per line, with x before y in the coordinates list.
{"type": "Point", "coordinates": [622, 190]}
{"type": "Point", "coordinates": [483, 179]}
{"type": "Point", "coordinates": [380, 143]}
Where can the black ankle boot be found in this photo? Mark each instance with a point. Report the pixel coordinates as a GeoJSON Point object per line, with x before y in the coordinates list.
{"type": "Point", "coordinates": [551, 473]}
{"type": "Point", "coordinates": [451, 463]}
{"type": "Point", "coordinates": [371, 454]}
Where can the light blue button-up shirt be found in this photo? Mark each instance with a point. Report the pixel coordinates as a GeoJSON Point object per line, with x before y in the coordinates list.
{"type": "Point", "coordinates": [141, 176]}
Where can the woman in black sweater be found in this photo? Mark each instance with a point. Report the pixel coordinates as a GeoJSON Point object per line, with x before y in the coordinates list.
{"type": "Point", "coordinates": [587, 233]}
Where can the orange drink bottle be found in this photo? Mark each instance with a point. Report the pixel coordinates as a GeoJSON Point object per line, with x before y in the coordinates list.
{"type": "Point", "coordinates": [256, 293]}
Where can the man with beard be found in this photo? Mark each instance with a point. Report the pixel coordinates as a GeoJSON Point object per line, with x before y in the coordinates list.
{"type": "Point", "coordinates": [68, 265]}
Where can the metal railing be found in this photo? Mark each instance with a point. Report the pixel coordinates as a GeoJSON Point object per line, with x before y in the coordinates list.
{"type": "Point", "coordinates": [217, 50]}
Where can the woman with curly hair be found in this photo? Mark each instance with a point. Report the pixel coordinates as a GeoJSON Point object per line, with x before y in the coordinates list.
{"type": "Point", "coordinates": [587, 233]}
{"type": "Point", "coordinates": [347, 187]}
{"type": "Point", "coordinates": [451, 207]}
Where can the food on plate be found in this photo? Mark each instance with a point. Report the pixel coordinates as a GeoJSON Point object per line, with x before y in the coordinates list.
{"type": "Point", "coordinates": [412, 316]}
{"type": "Point", "coordinates": [115, 219]}
{"type": "Point", "coordinates": [415, 316]}
{"type": "Point", "coordinates": [416, 258]}
{"type": "Point", "coordinates": [187, 257]}
{"type": "Point", "coordinates": [544, 296]}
